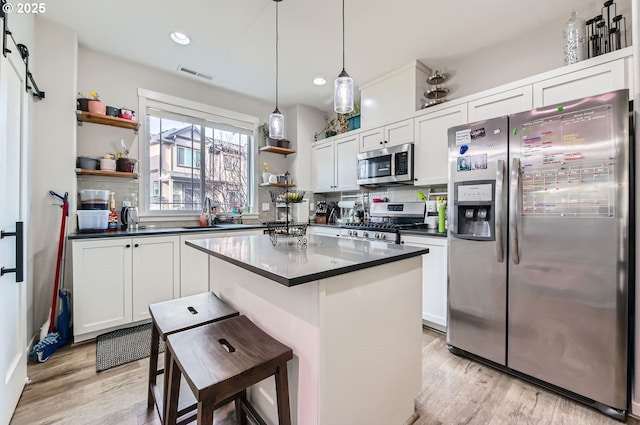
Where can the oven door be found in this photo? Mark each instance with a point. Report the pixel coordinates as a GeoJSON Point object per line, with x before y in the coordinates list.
{"type": "Point", "coordinates": [374, 169]}
{"type": "Point", "coordinates": [386, 166]}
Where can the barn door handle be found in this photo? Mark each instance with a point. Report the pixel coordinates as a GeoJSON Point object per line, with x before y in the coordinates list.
{"type": "Point", "coordinates": [19, 268]}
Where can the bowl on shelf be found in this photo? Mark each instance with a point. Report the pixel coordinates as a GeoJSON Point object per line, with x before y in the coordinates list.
{"type": "Point", "coordinates": [87, 163]}
{"type": "Point", "coordinates": [107, 164]}
{"type": "Point", "coordinates": [113, 111]}
{"type": "Point", "coordinates": [127, 165]}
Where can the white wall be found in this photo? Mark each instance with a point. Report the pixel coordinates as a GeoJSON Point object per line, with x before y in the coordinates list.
{"type": "Point", "coordinates": [518, 57]}
{"type": "Point", "coordinates": [52, 156]}
{"type": "Point", "coordinates": [308, 121]}
{"type": "Point", "coordinates": [117, 81]}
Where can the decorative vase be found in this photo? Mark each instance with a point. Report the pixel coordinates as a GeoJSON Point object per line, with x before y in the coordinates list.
{"type": "Point", "coordinates": [574, 40]}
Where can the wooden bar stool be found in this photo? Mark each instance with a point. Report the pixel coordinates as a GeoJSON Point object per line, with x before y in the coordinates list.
{"type": "Point", "coordinates": [174, 316]}
{"type": "Point", "coordinates": [219, 362]}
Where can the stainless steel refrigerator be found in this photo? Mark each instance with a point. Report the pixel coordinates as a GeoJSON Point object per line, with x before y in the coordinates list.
{"type": "Point", "coordinates": [539, 241]}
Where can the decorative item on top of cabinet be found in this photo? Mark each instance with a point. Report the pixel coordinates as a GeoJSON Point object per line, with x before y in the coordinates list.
{"type": "Point", "coordinates": [605, 33]}
{"type": "Point", "coordinates": [437, 93]}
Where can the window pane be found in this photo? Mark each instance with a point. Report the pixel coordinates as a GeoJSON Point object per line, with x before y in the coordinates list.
{"type": "Point", "coordinates": [174, 149]}
{"type": "Point", "coordinates": [227, 174]}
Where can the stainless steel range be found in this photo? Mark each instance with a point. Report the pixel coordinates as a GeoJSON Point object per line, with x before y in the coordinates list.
{"type": "Point", "coordinates": [387, 219]}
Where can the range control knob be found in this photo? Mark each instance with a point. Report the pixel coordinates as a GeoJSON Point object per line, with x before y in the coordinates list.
{"type": "Point", "coordinates": [365, 234]}
{"type": "Point", "coordinates": [377, 235]}
{"type": "Point", "coordinates": [383, 236]}
{"type": "Point", "coordinates": [355, 233]}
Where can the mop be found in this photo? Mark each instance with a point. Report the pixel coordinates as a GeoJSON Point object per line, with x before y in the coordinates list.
{"type": "Point", "coordinates": [54, 340]}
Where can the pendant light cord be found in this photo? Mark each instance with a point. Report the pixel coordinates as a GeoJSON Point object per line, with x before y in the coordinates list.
{"type": "Point", "coordinates": [342, 35]}
{"type": "Point", "coordinates": [277, 1]}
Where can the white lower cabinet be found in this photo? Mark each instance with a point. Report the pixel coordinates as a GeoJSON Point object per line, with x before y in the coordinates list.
{"type": "Point", "coordinates": [156, 272]}
{"type": "Point", "coordinates": [434, 278]}
{"type": "Point", "coordinates": [194, 265]}
{"type": "Point", "coordinates": [115, 280]}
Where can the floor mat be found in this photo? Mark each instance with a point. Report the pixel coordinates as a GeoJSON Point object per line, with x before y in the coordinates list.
{"type": "Point", "coordinates": [123, 346]}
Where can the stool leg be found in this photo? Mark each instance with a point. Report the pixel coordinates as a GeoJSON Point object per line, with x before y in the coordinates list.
{"type": "Point", "coordinates": [205, 412]}
{"type": "Point", "coordinates": [282, 392]}
{"type": "Point", "coordinates": [153, 365]}
{"type": "Point", "coordinates": [167, 362]}
{"type": "Point", "coordinates": [241, 415]}
{"type": "Point", "coordinates": [172, 374]}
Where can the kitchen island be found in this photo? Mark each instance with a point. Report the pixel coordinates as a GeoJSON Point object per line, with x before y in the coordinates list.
{"type": "Point", "coordinates": [349, 309]}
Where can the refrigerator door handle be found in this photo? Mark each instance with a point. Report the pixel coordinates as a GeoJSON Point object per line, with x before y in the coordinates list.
{"type": "Point", "coordinates": [498, 211]}
{"type": "Point", "coordinates": [513, 210]}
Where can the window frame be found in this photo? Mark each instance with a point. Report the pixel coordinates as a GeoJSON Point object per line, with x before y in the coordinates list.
{"type": "Point", "coordinates": [209, 114]}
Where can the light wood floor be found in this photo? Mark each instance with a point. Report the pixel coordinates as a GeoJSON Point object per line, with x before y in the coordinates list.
{"type": "Point", "coordinates": [67, 390]}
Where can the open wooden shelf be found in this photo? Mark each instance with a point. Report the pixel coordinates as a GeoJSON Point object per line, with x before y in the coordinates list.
{"type": "Point", "coordinates": [122, 174]}
{"type": "Point", "coordinates": [276, 185]}
{"type": "Point", "coordinates": [276, 149]}
{"type": "Point", "coordinates": [84, 116]}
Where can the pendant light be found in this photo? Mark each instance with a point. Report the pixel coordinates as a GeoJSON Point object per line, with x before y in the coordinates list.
{"type": "Point", "coordinates": [276, 119]}
{"type": "Point", "coordinates": [343, 86]}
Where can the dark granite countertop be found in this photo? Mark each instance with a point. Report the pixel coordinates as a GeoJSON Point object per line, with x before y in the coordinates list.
{"type": "Point", "coordinates": [290, 264]}
{"type": "Point", "coordinates": [154, 231]}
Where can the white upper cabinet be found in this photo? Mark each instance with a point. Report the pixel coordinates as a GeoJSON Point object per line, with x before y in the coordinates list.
{"type": "Point", "coordinates": [432, 145]}
{"type": "Point", "coordinates": [398, 133]}
{"type": "Point", "coordinates": [335, 164]}
{"type": "Point", "coordinates": [590, 81]}
{"type": "Point", "coordinates": [499, 104]}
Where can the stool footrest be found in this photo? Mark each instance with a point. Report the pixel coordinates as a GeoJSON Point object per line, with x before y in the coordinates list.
{"type": "Point", "coordinates": [252, 412]}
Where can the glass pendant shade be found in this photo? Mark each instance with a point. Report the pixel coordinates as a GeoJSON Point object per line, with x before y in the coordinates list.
{"type": "Point", "coordinates": [343, 93]}
{"type": "Point", "coordinates": [276, 125]}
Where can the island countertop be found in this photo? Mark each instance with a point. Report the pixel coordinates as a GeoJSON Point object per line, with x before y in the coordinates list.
{"type": "Point", "coordinates": [291, 264]}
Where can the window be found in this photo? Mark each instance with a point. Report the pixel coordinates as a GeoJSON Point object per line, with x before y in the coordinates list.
{"type": "Point", "coordinates": [187, 157]}
{"type": "Point", "coordinates": [193, 154]}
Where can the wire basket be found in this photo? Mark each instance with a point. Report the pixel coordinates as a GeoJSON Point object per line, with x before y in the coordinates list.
{"type": "Point", "coordinates": [287, 196]}
{"type": "Point", "coordinates": [278, 231]}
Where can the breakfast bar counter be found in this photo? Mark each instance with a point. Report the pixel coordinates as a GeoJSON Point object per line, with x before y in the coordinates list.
{"type": "Point", "coordinates": [349, 309]}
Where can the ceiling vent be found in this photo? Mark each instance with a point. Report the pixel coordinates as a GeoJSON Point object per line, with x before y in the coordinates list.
{"type": "Point", "coordinates": [195, 73]}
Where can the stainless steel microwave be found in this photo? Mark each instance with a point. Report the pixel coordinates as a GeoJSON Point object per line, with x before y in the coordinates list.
{"type": "Point", "coordinates": [386, 166]}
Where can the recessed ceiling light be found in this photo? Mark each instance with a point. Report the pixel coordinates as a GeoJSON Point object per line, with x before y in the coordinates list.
{"type": "Point", "coordinates": [319, 81]}
{"type": "Point", "coordinates": [180, 38]}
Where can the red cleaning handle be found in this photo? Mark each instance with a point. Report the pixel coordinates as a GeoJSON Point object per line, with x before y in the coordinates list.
{"type": "Point", "coordinates": [65, 208]}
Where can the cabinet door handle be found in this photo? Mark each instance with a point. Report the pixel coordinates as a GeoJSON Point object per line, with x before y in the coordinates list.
{"type": "Point", "coordinates": [127, 246]}
{"type": "Point", "coordinates": [381, 142]}
{"type": "Point", "coordinates": [385, 142]}
{"type": "Point", "coordinates": [136, 245]}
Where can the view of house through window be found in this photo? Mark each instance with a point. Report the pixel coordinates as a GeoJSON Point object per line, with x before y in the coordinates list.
{"type": "Point", "coordinates": [190, 159]}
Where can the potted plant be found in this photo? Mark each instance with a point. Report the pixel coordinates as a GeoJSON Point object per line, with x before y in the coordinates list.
{"type": "Point", "coordinates": [353, 118]}
{"type": "Point", "coordinates": [264, 131]}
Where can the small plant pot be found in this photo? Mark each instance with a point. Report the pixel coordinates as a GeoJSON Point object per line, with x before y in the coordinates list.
{"type": "Point", "coordinates": [271, 142]}
{"type": "Point", "coordinates": [107, 164]}
{"type": "Point", "coordinates": [265, 177]}
{"type": "Point", "coordinates": [97, 107]}
{"type": "Point", "coordinates": [127, 165]}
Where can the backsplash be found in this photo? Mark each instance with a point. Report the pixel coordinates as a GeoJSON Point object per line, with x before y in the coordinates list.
{"type": "Point", "coordinates": [125, 189]}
